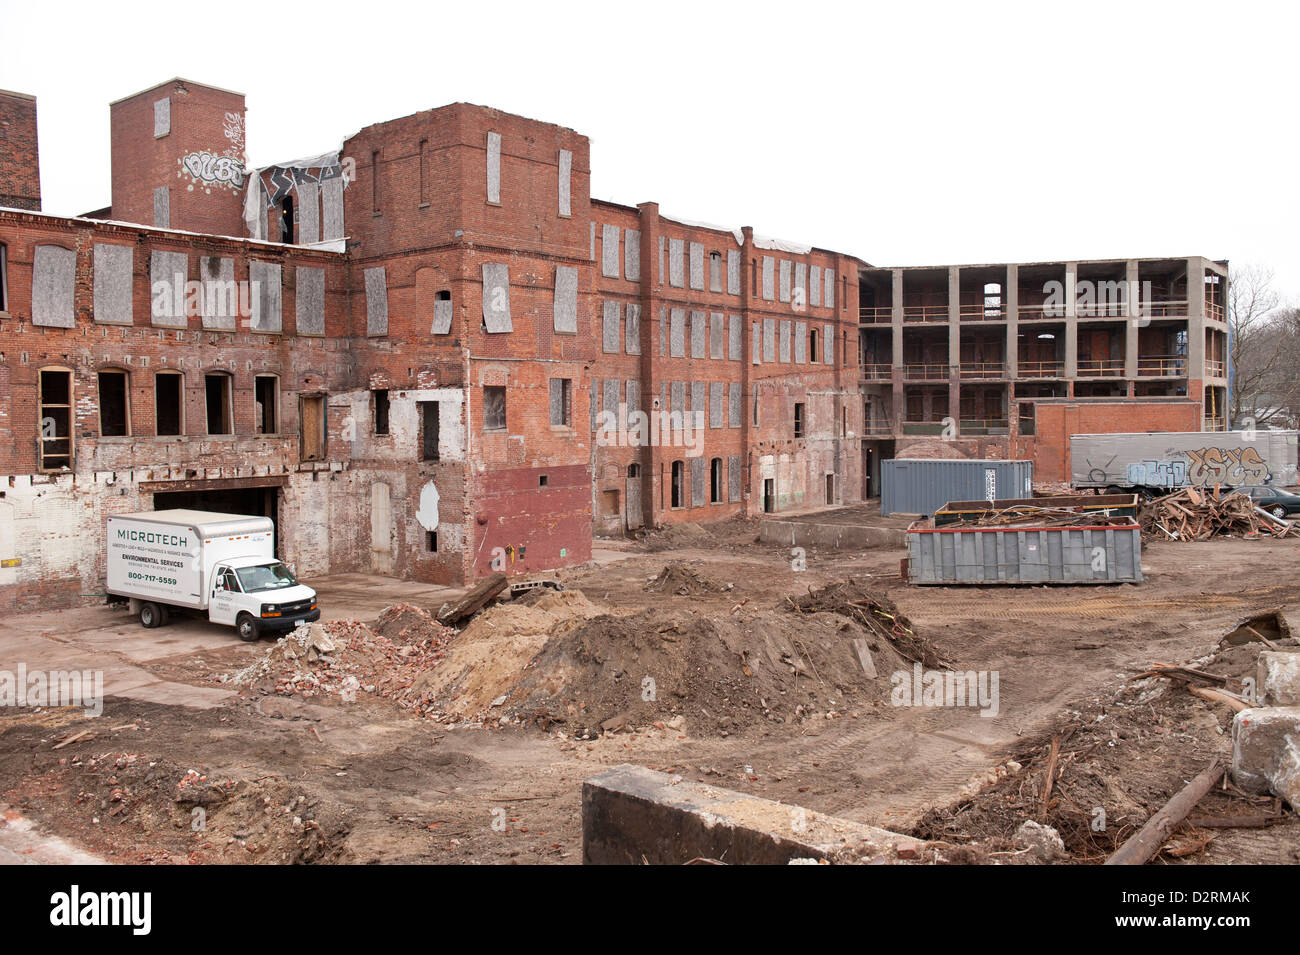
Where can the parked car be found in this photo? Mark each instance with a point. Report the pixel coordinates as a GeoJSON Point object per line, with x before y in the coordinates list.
{"type": "Point", "coordinates": [1275, 500]}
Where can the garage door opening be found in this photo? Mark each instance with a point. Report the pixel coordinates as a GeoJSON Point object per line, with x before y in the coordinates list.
{"type": "Point", "coordinates": [250, 501]}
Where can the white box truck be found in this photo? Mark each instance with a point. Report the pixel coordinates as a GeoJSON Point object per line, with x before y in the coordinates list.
{"type": "Point", "coordinates": [219, 565]}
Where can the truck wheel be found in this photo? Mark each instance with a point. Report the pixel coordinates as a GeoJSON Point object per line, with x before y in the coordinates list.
{"type": "Point", "coordinates": [164, 615]}
{"type": "Point", "coordinates": [150, 615]}
{"type": "Point", "coordinates": [247, 627]}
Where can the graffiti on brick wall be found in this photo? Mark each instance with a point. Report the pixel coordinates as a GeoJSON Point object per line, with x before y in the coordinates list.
{"type": "Point", "coordinates": [1204, 467]}
{"type": "Point", "coordinates": [225, 170]}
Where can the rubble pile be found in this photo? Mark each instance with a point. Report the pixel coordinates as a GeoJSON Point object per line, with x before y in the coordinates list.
{"type": "Point", "coordinates": [344, 657]}
{"type": "Point", "coordinates": [875, 612]}
{"type": "Point", "coordinates": [1197, 515]}
{"type": "Point", "coordinates": [679, 580]}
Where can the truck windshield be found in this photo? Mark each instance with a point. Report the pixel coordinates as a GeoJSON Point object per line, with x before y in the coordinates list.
{"type": "Point", "coordinates": [265, 577]}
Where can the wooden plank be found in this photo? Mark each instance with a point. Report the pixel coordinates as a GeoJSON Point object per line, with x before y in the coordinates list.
{"type": "Point", "coordinates": [473, 601]}
{"type": "Point", "coordinates": [1148, 840]}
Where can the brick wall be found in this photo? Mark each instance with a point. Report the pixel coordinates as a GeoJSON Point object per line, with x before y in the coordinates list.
{"type": "Point", "coordinates": [20, 168]}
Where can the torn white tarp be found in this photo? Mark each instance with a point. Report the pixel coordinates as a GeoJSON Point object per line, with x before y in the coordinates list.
{"type": "Point", "coordinates": [781, 245]}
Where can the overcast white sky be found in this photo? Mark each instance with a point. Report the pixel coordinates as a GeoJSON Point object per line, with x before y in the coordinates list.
{"type": "Point", "coordinates": [903, 133]}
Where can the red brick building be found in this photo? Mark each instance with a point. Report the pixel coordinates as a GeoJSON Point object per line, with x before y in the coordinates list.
{"type": "Point", "coordinates": [426, 355]}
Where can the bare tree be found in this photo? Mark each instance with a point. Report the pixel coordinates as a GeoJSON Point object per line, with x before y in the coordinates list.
{"type": "Point", "coordinates": [1264, 351]}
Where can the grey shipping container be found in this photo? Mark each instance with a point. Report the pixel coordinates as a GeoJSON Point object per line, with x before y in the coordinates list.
{"type": "Point", "coordinates": [909, 486]}
{"type": "Point", "coordinates": [1025, 555]}
{"type": "Point", "coordinates": [1164, 460]}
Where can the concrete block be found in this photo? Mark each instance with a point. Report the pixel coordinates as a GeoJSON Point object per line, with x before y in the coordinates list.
{"type": "Point", "coordinates": [1278, 678]}
{"type": "Point", "coordinates": [54, 270]}
{"type": "Point", "coordinates": [633, 816]}
{"type": "Point", "coordinates": [113, 283]}
{"type": "Point", "coordinates": [1266, 751]}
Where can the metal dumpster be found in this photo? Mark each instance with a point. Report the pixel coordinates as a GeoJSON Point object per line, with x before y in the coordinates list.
{"type": "Point", "coordinates": [1116, 505]}
{"type": "Point", "coordinates": [922, 486]}
{"type": "Point", "coordinates": [1110, 553]}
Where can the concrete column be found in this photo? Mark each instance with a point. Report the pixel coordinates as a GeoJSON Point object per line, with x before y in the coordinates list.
{"type": "Point", "coordinates": [896, 372]}
{"type": "Point", "coordinates": [954, 345]}
{"type": "Point", "coordinates": [1133, 320]}
{"type": "Point", "coordinates": [1071, 322]}
{"type": "Point", "coordinates": [1011, 299]}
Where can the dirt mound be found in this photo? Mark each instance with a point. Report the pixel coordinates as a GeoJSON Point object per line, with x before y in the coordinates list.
{"type": "Point", "coordinates": [722, 675]}
{"type": "Point", "coordinates": [876, 612]}
{"type": "Point", "coordinates": [178, 811]}
{"type": "Point", "coordinates": [485, 661]}
{"type": "Point", "coordinates": [679, 580]}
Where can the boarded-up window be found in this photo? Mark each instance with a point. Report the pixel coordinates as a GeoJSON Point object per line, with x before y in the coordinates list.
{"type": "Point", "coordinates": [733, 272]}
{"type": "Point", "coordinates": [610, 327]}
{"type": "Point", "coordinates": [565, 182]}
{"type": "Point", "coordinates": [562, 402]}
{"type": "Point", "coordinates": [442, 312]}
{"type": "Point", "coordinates": [56, 419]}
{"type": "Point", "coordinates": [168, 403]}
{"type": "Point", "coordinates": [632, 255]}
{"type": "Point", "coordinates": [733, 478]}
{"type": "Point", "coordinates": [376, 301]}
{"type": "Point", "coordinates": [217, 398]}
{"type": "Point", "coordinates": [734, 343]}
{"type": "Point", "coordinates": [312, 413]}
{"type": "Point", "coordinates": [769, 278]}
{"type": "Point", "coordinates": [494, 167]}
{"type": "Point", "coordinates": [566, 299]}
{"type": "Point", "coordinates": [114, 404]}
{"type": "Point", "coordinates": [715, 271]}
{"type": "Point", "coordinates": [494, 408]}
{"type": "Point", "coordinates": [496, 297]}
{"type": "Point", "coordinates": [632, 334]}
{"type": "Point", "coordinates": [717, 335]}
{"type": "Point", "coordinates": [699, 482]}
{"type": "Point", "coordinates": [697, 266]}
{"type": "Point", "coordinates": [785, 342]}
{"type": "Point", "coordinates": [733, 404]}
{"type": "Point", "coordinates": [609, 251]}
{"type": "Point", "coordinates": [266, 395]}
{"type": "Point", "coordinates": [698, 334]}
{"type": "Point", "coordinates": [309, 299]}
{"type": "Point", "coordinates": [53, 276]}
{"type": "Point", "coordinates": [676, 263]}
{"type": "Point", "coordinates": [715, 404]}
{"type": "Point", "coordinates": [429, 430]}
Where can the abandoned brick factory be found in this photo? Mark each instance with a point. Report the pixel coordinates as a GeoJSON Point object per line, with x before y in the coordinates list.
{"type": "Point", "coordinates": [431, 353]}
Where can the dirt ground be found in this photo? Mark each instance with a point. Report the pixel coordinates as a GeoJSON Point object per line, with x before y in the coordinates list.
{"type": "Point", "coordinates": [481, 759]}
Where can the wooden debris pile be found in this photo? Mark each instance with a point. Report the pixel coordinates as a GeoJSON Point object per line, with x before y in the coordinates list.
{"type": "Point", "coordinates": [1036, 516]}
{"type": "Point", "coordinates": [1197, 515]}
